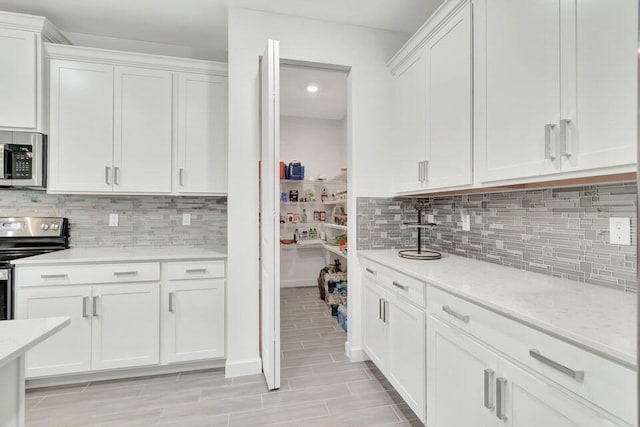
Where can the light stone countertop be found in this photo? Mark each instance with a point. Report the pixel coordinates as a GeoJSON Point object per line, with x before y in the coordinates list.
{"type": "Point", "coordinates": [596, 318]}
{"type": "Point", "coordinates": [18, 336]}
{"type": "Point", "coordinates": [122, 254]}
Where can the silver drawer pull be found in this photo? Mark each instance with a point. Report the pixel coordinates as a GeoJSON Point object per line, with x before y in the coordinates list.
{"type": "Point", "coordinates": [400, 285]}
{"type": "Point", "coordinates": [488, 388]}
{"type": "Point", "coordinates": [85, 302]}
{"type": "Point", "coordinates": [455, 314]}
{"type": "Point", "coordinates": [370, 270]}
{"type": "Point", "coordinates": [53, 276]}
{"type": "Point", "coordinates": [501, 394]}
{"type": "Point", "coordinates": [196, 270]}
{"type": "Point", "coordinates": [576, 375]}
{"type": "Point", "coordinates": [170, 302]}
{"type": "Point", "coordinates": [125, 273]}
{"type": "Point", "coordinates": [95, 306]}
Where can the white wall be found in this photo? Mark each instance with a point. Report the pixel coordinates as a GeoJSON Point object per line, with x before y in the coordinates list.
{"type": "Point", "coordinates": [319, 144]}
{"type": "Point", "coordinates": [370, 88]}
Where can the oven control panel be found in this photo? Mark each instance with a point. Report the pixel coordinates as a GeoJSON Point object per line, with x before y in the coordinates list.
{"type": "Point", "coordinates": [33, 227]}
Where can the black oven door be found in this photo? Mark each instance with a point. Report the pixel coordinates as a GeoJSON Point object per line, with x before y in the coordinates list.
{"type": "Point", "coordinates": [6, 293]}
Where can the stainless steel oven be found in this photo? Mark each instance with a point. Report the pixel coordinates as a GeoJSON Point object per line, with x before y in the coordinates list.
{"type": "Point", "coordinates": [23, 159]}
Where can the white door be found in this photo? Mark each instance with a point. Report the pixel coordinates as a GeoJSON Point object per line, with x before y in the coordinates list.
{"type": "Point", "coordinates": [195, 319]}
{"type": "Point", "coordinates": [202, 134]}
{"type": "Point", "coordinates": [599, 83]}
{"type": "Point", "coordinates": [126, 325]}
{"type": "Point", "coordinates": [270, 213]}
{"type": "Point", "coordinates": [517, 69]}
{"type": "Point", "coordinates": [81, 131]}
{"type": "Point", "coordinates": [406, 363]}
{"type": "Point", "coordinates": [69, 350]}
{"type": "Point", "coordinates": [375, 327]}
{"type": "Point", "coordinates": [449, 103]}
{"type": "Point", "coordinates": [142, 130]}
{"type": "Point", "coordinates": [18, 79]}
{"type": "Point", "coordinates": [457, 370]}
{"type": "Point", "coordinates": [410, 93]}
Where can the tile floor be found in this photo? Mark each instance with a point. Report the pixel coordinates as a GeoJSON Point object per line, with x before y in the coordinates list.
{"type": "Point", "coordinates": [319, 388]}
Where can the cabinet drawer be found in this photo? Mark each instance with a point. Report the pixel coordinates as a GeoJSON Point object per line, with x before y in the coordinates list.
{"type": "Point", "coordinates": [401, 284]}
{"type": "Point", "coordinates": [605, 383]}
{"type": "Point", "coordinates": [87, 274]}
{"type": "Point", "coordinates": [195, 270]}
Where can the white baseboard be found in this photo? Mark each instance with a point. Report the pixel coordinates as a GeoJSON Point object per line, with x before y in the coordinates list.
{"type": "Point", "coordinates": [241, 368]}
{"type": "Point", "coordinates": [123, 373]}
{"type": "Point", "coordinates": [356, 354]}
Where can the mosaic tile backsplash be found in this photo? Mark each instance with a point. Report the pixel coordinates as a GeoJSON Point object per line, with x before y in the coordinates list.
{"type": "Point", "coordinates": [562, 232]}
{"type": "Point", "coordinates": [143, 220]}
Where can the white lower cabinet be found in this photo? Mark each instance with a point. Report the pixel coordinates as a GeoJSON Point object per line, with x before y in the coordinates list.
{"type": "Point", "coordinates": [69, 350]}
{"type": "Point", "coordinates": [126, 325]}
{"type": "Point", "coordinates": [194, 328]}
{"type": "Point", "coordinates": [394, 340]}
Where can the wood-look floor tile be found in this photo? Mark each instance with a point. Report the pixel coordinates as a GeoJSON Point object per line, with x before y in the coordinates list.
{"type": "Point", "coordinates": [404, 412]}
{"type": "Point", "coordinates": [211, 407]}
{"type": "Point", "coordinates": [264, 417]}
{"type": "Point", "coordinates": [318, 393]}
{"type": "Point", "coordinates": [327, 378]}
{"type": "Point", "coordinates": [368, 417]}
{"type": "Point", "coordinates": [367, 400]}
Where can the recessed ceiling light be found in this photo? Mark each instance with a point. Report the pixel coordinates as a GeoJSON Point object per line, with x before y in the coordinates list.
{"type": "Point", "coordinates": [312, 88]}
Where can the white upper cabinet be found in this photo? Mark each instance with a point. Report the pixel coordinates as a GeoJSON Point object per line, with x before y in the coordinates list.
{"type": "Point", "coordinates": [556, 88]}
{"type": "Point", "coordinates": [81, 129]}
{"type": "Point", "coordinates": [18, 79]}
{"type": "Point", "coordinates": [599, 83]}
{"type": "Point", "coordinates": [450, 104]}
{"type": "Point", "coordinates": [142, 130]}
{"type": "Point", "coordinates": [517, 83]}
{"type": "Point", "coordinates": [202, 134]}
{"type": "Point", "coordinates": [130, 123]}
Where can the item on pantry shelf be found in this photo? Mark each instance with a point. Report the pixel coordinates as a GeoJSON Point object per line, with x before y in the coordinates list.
{"type": "Point", "coordinates": [289, 217]}
{"type": "Point", "coordinates": [323, 216]}
{"type": "Point", "coordinates": [311, 196]}
{"type": "Point", "coordinates": [304, 215]}
{"type": "Point", "coordinates": [283, 175]}
{"type": "Point", "coordinates": [324, 196]}
{"type": "Point", "coordinates": [293, 195]}
{"type": "Point", "coordinates": [287, 241]}
{"type": "Point", "coordinates": [282, 219]}
{"type": "Point", "coordinates": [304, 235]}
{"type": "Point", "coordinates": [316, 215]}
{"type": "Point", "coordinates": [296, 217]}
{"type": "Point", "coordinates": [343, 316]}
{"type": "Point", "coordinates": [296, 170]}
{"type": "Point", "coordinates": [283, 196]}
{"type": "Point", "coordinates": [295, 235]}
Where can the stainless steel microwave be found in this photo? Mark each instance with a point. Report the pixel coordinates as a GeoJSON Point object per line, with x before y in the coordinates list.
{"type": "Point", "coordinates": [23, 160]}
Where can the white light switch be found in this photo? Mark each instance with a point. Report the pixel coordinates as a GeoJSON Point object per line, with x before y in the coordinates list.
{"type": "Point", "coordinates": [466, 222]}
{"type": "Point", "coordinates": [113, 220]}
{"type": "Point", "coordinates": [430, 218]}
{"type": "Point", "coordinates": [620, 231]}
{"type": "Point", "coordinates": [186, 219]}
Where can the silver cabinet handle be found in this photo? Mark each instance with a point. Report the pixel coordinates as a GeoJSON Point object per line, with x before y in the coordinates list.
{"type": "Point", "coordinates": [400, 285]}
{"type": "Point", "coordinates": [170, 302]}
{"type": "Point", "coordinates": [116, 175]}
{"type": "Point", "coordinates": [385, 313]}
{"type": "Point", "coordinates": [488, 388]}
{"type": "Point", "coordinates": [501, 394]}
{"type": "Point", "coordinates": [95, 306]}
{"type": "Point", "coordinates": [368, 270]}
{"type": "Point", "coordinates": [85, 303]}
{"type": "Point", "coordinates": [549, 141]}
{"type": "Point", "coordinates": [107, 175]}
{"type": "Point", "coordinates": [567, 142]}
{"type": "Point", "coordinates": [455, 314]}
{"type": "Point", "coordinates": [419, 171]}
{"type": "Point", "coordinates": [380, 308]}
{"type": "Point", "coordinates": [196, 270]}
{"type": "Point", "coordinates": [426, 171]}
{"type": "Point", "coordinates": [576, 375]}
{"type": "Point", "coordinates": [53, 276]}
{"type": "Point", "coordinates": [125, 273]}
{"type": "Point", "coordinates": [180, 175]}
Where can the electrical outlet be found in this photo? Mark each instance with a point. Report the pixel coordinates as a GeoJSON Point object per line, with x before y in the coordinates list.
{"type": "Point", "coordinates": [466, 222]}
{"type": "Point", "coordinates": [430, 218]}
{"type": "Point", "coordinates": [620, 231]}
{"type": "Point", "coordinates": [113, 220]}
{"type": "Point", "coordinates": [186, 219]}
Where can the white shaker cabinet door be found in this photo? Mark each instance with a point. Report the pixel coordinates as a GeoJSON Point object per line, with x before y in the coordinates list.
{"type": "Point", "coordinates": [142, 130]}
{"type": "Point", "coordinates": [81, 127]}
{"type": "Point", "coordinates": [517, 87]}
{"type": "Point", "coordinates": [202, 134]}
{"type": "Point", "coordinates": [18, 79]}
{"type": "Point", "coordinates": [599, 83]}
{"type": "Point", "coordinates": [410, 139]}
{"type": "Point", "coordinates": [69, 350]}
{"type": "Point", "coordinates": [375, 329]}
{"type": "Point", "coordinates": [195, 319]}
{"type": "Point", "coordinates": [449, 103]}
{"type": "Point", "coordinates": [407, 352]}
{"type": "Point", "coordinates": [126, 325]}
{"type": "Point", "coordinates": [457, 370]}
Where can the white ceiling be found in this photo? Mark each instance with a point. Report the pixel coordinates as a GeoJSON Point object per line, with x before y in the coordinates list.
{"type": "Point", "coordinates": [329, 102]}
{"type": "Point", "coordinates": [198, 28]}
